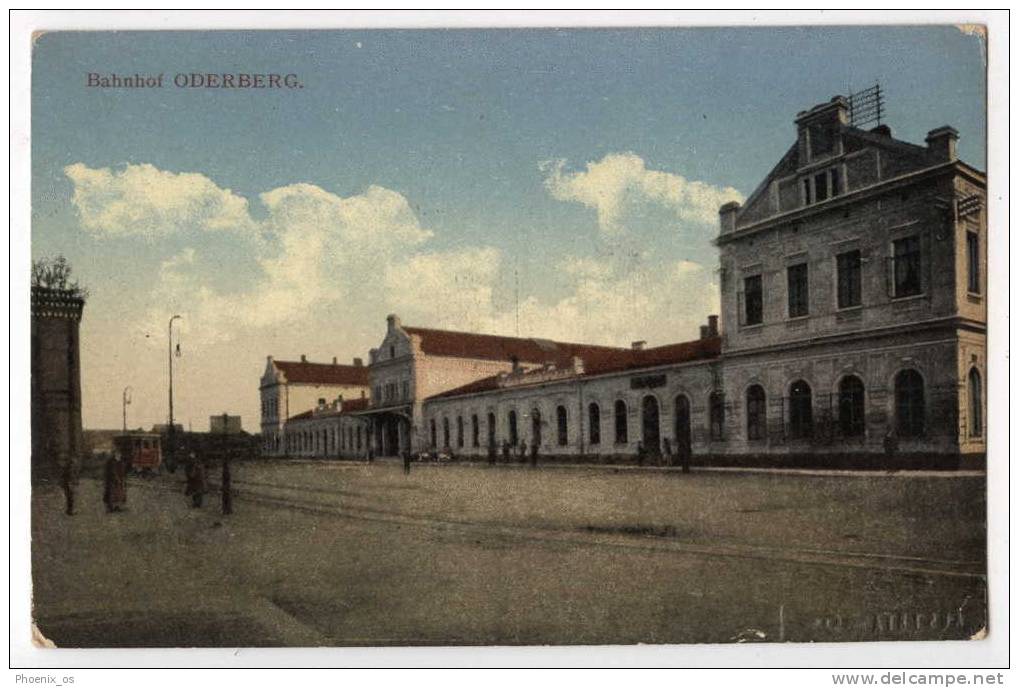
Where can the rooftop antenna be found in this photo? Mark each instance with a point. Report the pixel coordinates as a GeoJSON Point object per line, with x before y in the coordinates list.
{"type": "Point", "coordinates": [866, 106]}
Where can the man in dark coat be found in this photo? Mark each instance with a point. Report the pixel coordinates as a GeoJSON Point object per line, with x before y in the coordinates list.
{"type": "Point", "coordinates": [534, 454]}
{"type": "Point", "coordinates": [196, 484]}
{"type": "Point", "coordinates": [406, 461]}
{"type": "Point", "coordinates": [68, 479]}
{"type": "Point", "coordinates": [226, 495]}
{"type": "Point", "coordinates": [641, 453]}
{"type": "Point", "coordinates": [505, 451]}
{"type": "Point", "coordinates": [115, 483]}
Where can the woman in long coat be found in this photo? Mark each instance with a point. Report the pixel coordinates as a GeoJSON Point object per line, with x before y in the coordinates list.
{"type": "Point", "coordinates": [115, 483]}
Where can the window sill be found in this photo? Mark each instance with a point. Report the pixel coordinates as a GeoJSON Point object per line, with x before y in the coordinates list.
{"type": "Point", "coordinates": [973, 297]}
{"type": "Point", "coordinates": [756, 327]}
{"type": "Point", "coordinates": [910, 297]}
{"type": "Point", "coordinates": [849, 310]}
{"type": "Point", "coordinates": [798, 322]}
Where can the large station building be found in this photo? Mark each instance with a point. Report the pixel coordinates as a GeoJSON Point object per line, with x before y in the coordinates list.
{"type": "Point", "coordinates": [852, 332]}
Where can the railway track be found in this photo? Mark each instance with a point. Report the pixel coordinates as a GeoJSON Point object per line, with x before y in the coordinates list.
{"type": "Point", "coordinates": [346, 505]}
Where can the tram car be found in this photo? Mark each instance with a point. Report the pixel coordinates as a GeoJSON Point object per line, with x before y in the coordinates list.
{"type": "Point", "coordinates": [140, 450]}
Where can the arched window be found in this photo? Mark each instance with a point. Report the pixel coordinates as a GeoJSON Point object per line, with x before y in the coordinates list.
{"type": "Point", "coordinates": [851, 409]}
{"type": "Point", "coordinates": [491, 429]}
{"type": "Point", "coordinates": [562, 426]}
{"type": "Point", "coordinates": [716, 415]}
{"type": "Point", "coordinates": [514, 438]}
{"type": "Point", "coordinates": [594, 424]}
{"type": "Point", "coordinates": [475, 431]}
{"type": "Point", "coordinates": [445, 432]}
{"type": "Point", "coordinates": [756, 413]}
{"type": "Point", "coordinates": [801, 410]}
{"type": "Point", "coordinates": [621, 429]}
{"type": "Point", "coordinates": [976, 405]}
{"type": "Point", "coordinates": [460, 431]}
{"type": "Point", "coordinates": [909, 404]}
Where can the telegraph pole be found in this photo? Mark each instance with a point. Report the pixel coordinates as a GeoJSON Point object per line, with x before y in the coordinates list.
{"type": "Point", "coordinates": [126, 399]}
{"type": "Point", "coordinates": [169, 345]}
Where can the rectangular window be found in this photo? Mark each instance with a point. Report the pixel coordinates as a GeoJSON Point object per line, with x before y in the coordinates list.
{"type": "Point", "coordinates": [821, 186]}
{"type": "Point", "coordinates": [807, 197]}
{"type": "Point", "coordinates": [836, 185]}
{"type": "Point", "coordinates": [850, 287]}
{"type": "Point", "coordinates": [906, 266]}
{"type": "Point", "coordinates": [798, 290]}
{"type": "Point", "coordinates": [973, 262]}
{"type": "Point", "coordinates": [753, 300]}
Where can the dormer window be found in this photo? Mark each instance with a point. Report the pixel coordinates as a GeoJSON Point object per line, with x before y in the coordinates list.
{"type": "Point", "coordinates": [822, 186]}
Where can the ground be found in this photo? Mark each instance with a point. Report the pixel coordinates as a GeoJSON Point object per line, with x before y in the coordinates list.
{"type": "Point", "coordinates": [348, 554]}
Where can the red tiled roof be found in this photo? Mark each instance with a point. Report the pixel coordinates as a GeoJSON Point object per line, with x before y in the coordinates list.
{"type": "Point", "coordinates": [614, 361]}
{"type": "Point", "coordinates": [303, 372]}
{"type": "Point", "coordinates": [302, 415]}
{"type": "Point", "coordinates": [497, 348]}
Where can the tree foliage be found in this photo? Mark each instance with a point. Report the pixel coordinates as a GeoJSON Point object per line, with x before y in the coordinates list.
{"type": "Point", "coordinates": [56, 273]}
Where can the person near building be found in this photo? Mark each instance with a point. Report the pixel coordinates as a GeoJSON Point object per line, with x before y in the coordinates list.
{"type": "Point", "coordinates": [667, 452]}
{"type": "Point", "coordinates": [891, 445]}
{"type": "Point", "coordinates": [115, 483]}
{"type": "Point", "coordinates": [641, 453]}
{"type": "Point", "coordinates": [196, 484]}
{"type": "Point", "coordinates": [534, 454]}
{"type": "Point", "coordinates": [225, 487]}
{"type": "Point", "coordinates": [406, 461]}
{"type": "Point", "coordinates": [68, 480]}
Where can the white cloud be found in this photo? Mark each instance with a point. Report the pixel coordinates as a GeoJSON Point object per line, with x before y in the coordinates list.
{"type": "Point", "coordinates": [326, 269]}
{"type": "Point", "coordinates": [619, 179]}
{"type": "Point", "coordinates": [145, 201]}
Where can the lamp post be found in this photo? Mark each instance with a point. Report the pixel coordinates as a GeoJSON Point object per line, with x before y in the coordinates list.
{"type": "Point", "coordinates": [169, 346]}
{"type": "Point", "coordinates": [126, 399]}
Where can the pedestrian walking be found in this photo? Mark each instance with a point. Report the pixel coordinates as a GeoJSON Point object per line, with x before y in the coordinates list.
{"type": "Point", "coordinates": [667, 448]}
{"type": "Point", "coordinates": [406, 461]}
{"type": "Point", "coordinates": [505, 451]}
{"type": "Point", "coordinates": [68, 480]}
{"type": "Point", "coordinates": [891, 444]}
{"type": "Point", "coordinates": [522, 451]}
{"type": "Point", "coordinates": [534, 454]}
{"type": "Point", "coordinates": [641, 453]}
{"type": "Point", "coordinates": [226, 495]}
{"type": "Point", "coordinates": [196, 484]}
{"type": "Point", "coordinates": [115, 483]}
{"type": "Point", "coordinates": [491, 453]}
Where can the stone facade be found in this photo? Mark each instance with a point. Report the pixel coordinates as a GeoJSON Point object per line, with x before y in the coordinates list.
{"type": "Point", "coordinates": [289, 388]}
{"type": "Point", "coordinates": [57, 436]}
{"type": "Point", "coordinates": [332, 430]}
{"type": "Point", "coordinates": [853, 331]}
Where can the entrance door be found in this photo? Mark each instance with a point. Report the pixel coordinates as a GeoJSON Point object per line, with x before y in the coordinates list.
{"type": "Point", "coordinates": [682, 421]}
{"type": "Point", "coordinates": [652, 428]}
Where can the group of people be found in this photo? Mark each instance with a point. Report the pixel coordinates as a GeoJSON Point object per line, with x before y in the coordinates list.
{"type": "Point", "coordinates": [115, 484]}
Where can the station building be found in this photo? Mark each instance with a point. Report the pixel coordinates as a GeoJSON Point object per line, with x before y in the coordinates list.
{"type": "Point", "coordinates": [852, 332]}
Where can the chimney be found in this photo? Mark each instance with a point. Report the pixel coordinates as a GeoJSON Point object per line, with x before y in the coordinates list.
{"type": "Point", "coordinates": [941, 143]}
{"type": "Point", "coordinates": [334, 360]}
{"type": "Point", "coordinates": [358, 362]}
{"type": "Point", "coordinates": [882, 130]}
{"type": "Point", "coordinates": [727, 217]}
{"type": "Point", "coordinates": [704, 331]}
{"type": "Point", "coordinates": [362, 394]}
{"type": "Point", "coordinates": [304, 359]}
{"type": "Point", "coordinates": [818, 129]}
{"type": "Point", "coordinates": [578, 365]}
{"type": "Point", "coordinates": [712, 325]}
{"type": "Point", "coordinates": [392, 322]}
{"type": "Point", "coordinates": [516, 363]}
{"type": "Point", "coordinates": [268, 359]}
{"type": "Point", "coordinates": [638, 345]}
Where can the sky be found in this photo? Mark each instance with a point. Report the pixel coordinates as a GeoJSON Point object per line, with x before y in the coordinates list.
{"type": "Point", "coordinates": [550, 183]}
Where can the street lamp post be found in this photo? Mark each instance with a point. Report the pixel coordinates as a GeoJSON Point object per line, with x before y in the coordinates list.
{"type": "Point", "coordinates": [126, 399]}
{"type": "Point", "coordinates": [169, 346]}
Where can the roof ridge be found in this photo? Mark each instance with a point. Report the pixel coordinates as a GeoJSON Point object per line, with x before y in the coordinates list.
{"type": "Point", "coordinates": [515, 338]}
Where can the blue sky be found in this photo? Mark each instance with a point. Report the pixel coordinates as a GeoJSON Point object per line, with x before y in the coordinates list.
{"type": "Point", "coordinates": [416, 172]}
